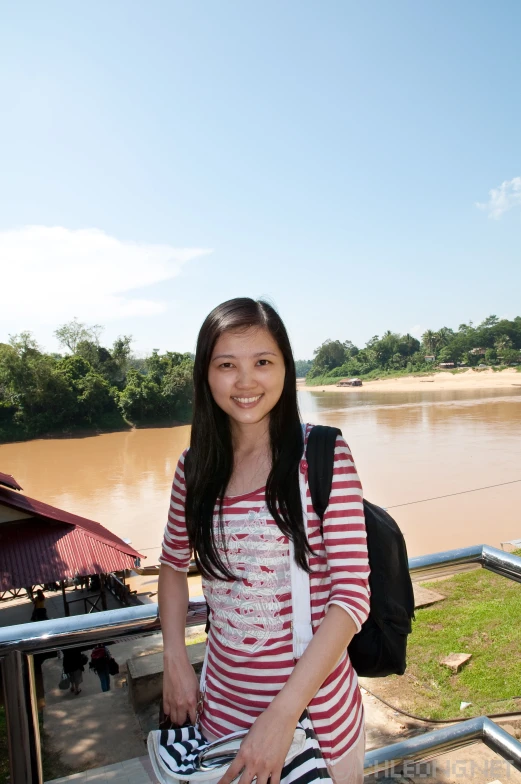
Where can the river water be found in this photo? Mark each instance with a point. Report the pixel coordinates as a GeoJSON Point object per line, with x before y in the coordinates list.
{"type": "Point", "coordinates": [408, 446]}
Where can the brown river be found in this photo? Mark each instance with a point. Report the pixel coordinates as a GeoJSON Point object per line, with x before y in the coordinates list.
{"type": "Point", "coordinates": [408, 447]}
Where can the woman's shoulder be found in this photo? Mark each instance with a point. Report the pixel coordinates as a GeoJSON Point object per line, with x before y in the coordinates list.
{"type": "Point", "coordinates": [179, 475]}
{"type": "Point", "coordinates": [182, 460]}
{"type": "Point", "coordinates": [341, 445]}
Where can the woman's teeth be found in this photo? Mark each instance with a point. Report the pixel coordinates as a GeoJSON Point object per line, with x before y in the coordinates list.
{"type": "Point", "coordinates": [247, 399]}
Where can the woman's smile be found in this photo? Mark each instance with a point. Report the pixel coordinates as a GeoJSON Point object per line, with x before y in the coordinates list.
{"type": "Point", "coordinates": [246, 402]}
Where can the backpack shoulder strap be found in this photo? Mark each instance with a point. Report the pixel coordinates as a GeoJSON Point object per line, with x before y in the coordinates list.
{"type": "Point", "coordinates": [320, 456]}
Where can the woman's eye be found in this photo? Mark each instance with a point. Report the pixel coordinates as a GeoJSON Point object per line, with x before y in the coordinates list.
{"type": "Point", "coordinates": [226, 365]}
{"type": "Point", "coordinates": [263, 362]}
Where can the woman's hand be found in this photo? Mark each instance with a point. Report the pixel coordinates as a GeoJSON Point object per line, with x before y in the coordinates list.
{"type": "Point", "coordinates": [263, 750]}
{"type": "Point", "coordinates": [180, 688]}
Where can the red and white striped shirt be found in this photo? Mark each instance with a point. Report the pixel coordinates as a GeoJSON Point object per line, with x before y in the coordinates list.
{"type": "Point", "coordinates": [250, 647]}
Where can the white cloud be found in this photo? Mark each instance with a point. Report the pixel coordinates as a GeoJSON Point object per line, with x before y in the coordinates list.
{"type": "Point", "coordinates": [502, 199]}
{"type": "Point", "coordinates": [52, 274]}
{"type": "Point", "coordinates": [416, 331]}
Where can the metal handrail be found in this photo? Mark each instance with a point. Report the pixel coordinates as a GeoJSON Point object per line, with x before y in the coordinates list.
{"type": "Point", "coordinates": [19, 643]}
{"type": "Point", "coordinates": [430, 745]}
{"type": "Point", "coordinates": [497, 561]}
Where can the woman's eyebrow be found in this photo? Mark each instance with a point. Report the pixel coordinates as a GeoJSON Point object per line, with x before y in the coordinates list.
{"type": "Point", "coordinates": [233, 356]}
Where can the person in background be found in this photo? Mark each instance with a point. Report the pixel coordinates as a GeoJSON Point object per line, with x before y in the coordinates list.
{"type": "Point", "coordinates": [73, 666]}
{"type": "Point", "coordinates": [39, 610]}
{"type": "Point", "coordinates": [99, 662]}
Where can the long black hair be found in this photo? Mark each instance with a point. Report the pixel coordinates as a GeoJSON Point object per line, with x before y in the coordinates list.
{"type": "Point", "coordinates": [209, 462]}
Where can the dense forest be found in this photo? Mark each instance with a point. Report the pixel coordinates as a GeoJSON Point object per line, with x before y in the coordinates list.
{"type": "Point", "coordinates": [494, 342]}
{"type": "Point", "coordinates": [90, 386]}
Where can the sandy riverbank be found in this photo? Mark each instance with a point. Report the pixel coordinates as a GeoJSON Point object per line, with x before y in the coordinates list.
{"type": "Point", "coordinates": [467, 379]}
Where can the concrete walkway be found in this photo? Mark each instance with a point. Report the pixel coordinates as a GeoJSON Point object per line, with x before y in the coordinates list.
{"type": "Point", "coordinates": [97, 729]}
{"type": "Point", "coordinates": [133, 771]}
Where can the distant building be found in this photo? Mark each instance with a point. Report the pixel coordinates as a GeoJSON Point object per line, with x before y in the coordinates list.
{"type": "Point", "coordinates": [478, 352]}
{"type": "Point", "coordinates": [349, 382]}
{"type": "Point", "coordinates": [447, 364]}
{"type": "Point", "coordinates": [430, 358]}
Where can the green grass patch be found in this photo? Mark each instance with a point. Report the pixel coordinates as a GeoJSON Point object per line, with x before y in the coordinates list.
{"type": "Point", "coordinates": [481, 615]}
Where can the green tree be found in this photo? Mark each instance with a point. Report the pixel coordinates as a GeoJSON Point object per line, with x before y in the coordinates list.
{"type": "Point", "coordinates": [407, 345]}
{"type": "Point", "coordinates": [447, 354]}
{"type": "Point", "coordinates": [121, 357]}
{"type": "Point", "coordinates": [42, 397]}
{"type": "Point", "coordinates": [302, 367]}
{"type": "Point", "coordinates": [330, 355]}
{"type": "Point", "coordinates": [490, 321]}
{"type": "Point", "coordinates": [113, 364]}
{"type": "Point", "coordinates": [444, 336]}
{"type": "Point", "coordinates": [490, 356]}
{"type": "Point", "coordinates": [502, 344]}
{"type": "Point", "coordinates": [93, 395]}
{"type": "Point", "coordinates": [95, 398]}
{"type": "Point", "coordinates": [177, 389]}
{"type": "Point", "coordinates": [511, 356]}
{"type": "Point", "coordinates": [74, 332]}
{"type": "Point", "coordinates": [430, 341]}
{"type": "Point", "coordinates": [141, 399]}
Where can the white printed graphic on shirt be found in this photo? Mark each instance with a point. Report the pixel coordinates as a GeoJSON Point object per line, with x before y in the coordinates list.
{"type": "Point", "coordinates": [247, 611]}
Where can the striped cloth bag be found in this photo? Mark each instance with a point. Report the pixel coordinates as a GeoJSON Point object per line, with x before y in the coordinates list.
{"type": "Point", "coordinates": [185, 755]}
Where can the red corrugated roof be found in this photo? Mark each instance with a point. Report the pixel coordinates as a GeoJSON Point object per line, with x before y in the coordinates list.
{"type": "Point", "coordinates": [9, 481]}
{"type": "Point", "coordinates": [38, 508]}
{"type": "Point", "coordinates": [55, 545]}
{"type": "Point", "coordinates": [32, 553]}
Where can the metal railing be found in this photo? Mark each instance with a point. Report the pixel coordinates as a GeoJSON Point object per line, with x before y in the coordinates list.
{"type": "Point", "coordinates": [18, 644]}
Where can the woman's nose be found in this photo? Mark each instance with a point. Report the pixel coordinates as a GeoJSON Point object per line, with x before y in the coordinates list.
{"type": "Point", "coordinates": [245, 379]}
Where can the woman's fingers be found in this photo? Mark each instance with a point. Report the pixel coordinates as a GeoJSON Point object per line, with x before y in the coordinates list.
{"type": "Point", "coordinates": [181, 693]}
{"type": "Point", "coordinates": [180, 712]}
{"type": "Point", "coordinates": [192, 712]}
{"type": "Point", "coordinates": [248, 770]}
{"type": "Point", "coordinates": [247, 777]}
{"type": "Point", "coordinates": [260, 773]}
{"type": "Point", "coordinates": [233, 771]}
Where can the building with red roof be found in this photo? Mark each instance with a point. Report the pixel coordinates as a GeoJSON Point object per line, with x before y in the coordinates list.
{"type": "Point", "coordinates": [42, 544]}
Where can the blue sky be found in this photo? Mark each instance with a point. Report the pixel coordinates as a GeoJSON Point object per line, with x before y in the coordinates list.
{"type": "Point", "coordinates": [157, 158]}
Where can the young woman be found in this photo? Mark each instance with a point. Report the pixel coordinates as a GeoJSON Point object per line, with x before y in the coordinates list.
{"type": "Point", "coordinates": [236, 504]}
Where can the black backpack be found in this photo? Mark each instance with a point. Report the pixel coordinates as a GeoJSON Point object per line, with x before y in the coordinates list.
{"type": "Point", "coordinates": [379, 647]}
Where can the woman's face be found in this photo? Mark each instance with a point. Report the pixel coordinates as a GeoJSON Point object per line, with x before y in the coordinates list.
{"type": "Point", "coordinates": [246, 374]}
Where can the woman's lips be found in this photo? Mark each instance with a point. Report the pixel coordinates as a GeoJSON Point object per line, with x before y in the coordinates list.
{"type": "Point", "coordinates": [244, 401]}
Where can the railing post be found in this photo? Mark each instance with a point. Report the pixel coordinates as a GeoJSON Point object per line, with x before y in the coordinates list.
{"type": "Point", "coordinates": [22, 719]}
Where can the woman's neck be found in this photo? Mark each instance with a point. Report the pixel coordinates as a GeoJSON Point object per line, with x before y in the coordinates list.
{"type": "Point", "coordinates": [249, 439]}
{"type": "Point", "coordinates": [251, 457]}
